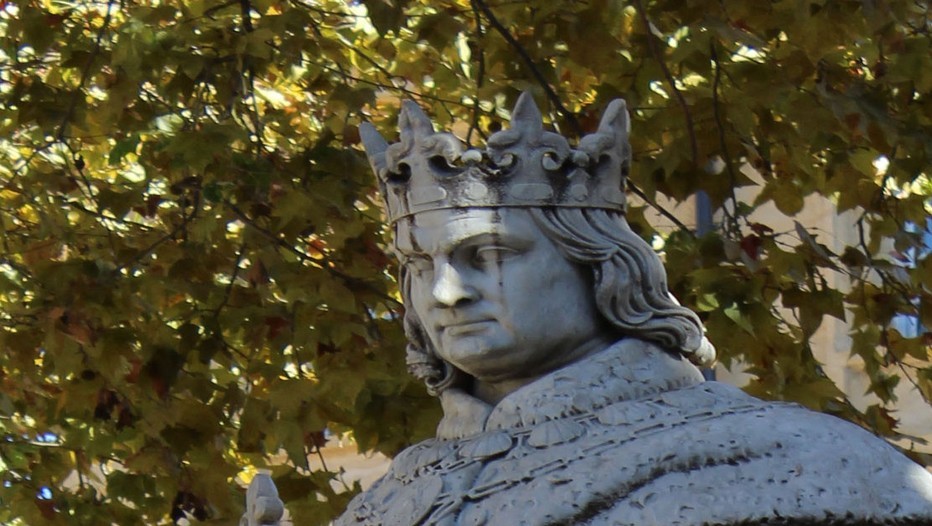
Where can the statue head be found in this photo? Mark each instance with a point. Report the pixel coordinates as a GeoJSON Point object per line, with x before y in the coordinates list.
{"type": "Point", "coordinates": [517, 260]}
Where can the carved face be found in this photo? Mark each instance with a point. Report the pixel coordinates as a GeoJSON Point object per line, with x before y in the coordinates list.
{"type": "Point", "coordinates": [493, 293]}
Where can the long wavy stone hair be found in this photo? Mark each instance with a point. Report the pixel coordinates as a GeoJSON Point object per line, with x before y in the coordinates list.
{"type": "Point", "coordinates": [629, 282]}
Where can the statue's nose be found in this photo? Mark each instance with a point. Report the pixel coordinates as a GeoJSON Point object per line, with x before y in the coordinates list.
{"type": "Point", "coordinates": [451, 288]}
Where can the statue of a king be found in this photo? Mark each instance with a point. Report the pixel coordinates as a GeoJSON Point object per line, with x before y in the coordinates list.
{"type": "Point", "coordinates": [566, 370]}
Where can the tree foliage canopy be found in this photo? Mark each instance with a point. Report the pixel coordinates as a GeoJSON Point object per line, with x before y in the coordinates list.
{"type": "Point", "coordinates": [193, 274]}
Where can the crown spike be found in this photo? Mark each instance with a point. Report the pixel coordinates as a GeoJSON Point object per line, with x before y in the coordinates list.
{"type": "Point", "coordinates": [413, 122]}
{"type": "Point", "coordinates": [526, 115]}
{"type": "Point", "coordinates": [615, 119]}
{"type": "Point", "coordinates": [375, 146]}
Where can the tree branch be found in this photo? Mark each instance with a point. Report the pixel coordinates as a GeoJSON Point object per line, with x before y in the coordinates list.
{"type": "Point", "coordinates": [81, 208]}
{"type": "Point", "coordinates": [85, 73]}
{"type": "Point", "coordinates": [480, 74]}
{"type": "Point", "coordinates": [389, 87]}
{"type": "Point", "coordinates": [233, 276]}
{"type": "Point", "coordinates": [148, 250]}
{"type": "Point", "coordinates": [21, 270]}
{"type": "Point", "coordinates": [320, 11]}
{"type": "Point", "coordinates": [663, 211]}
{"type": "Point", "coordinates": [181, 228]}
{"type": "Point", "coordinates": [658, 56]}
{"type": "Point", "coordinates": [245, 8]}
{"type": "Point", "coordinates": [252, 103]}
{"type": "Point", "coordinates": [529, 62]}
{"type": "Point", "coordinates": [716, 109]}
{"type": "Point", "coordinates": [340, 70]}
{"type": "Point", "coordinates": [350, 280]}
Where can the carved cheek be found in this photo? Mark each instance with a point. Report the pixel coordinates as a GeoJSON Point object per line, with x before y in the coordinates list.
{"type": "Point", "coordinates": [420, 291]}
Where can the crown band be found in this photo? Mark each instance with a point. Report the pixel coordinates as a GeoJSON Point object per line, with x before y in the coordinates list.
{"type": "Point", "coordinates": [524, 166]}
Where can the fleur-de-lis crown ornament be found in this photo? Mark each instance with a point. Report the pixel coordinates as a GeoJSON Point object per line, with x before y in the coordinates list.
{"type": "Point", "coordinates": [523, 166]}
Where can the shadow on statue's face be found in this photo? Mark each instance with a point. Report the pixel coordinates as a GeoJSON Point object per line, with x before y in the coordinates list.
{"type": "Point", "coordinates": [495, 296]}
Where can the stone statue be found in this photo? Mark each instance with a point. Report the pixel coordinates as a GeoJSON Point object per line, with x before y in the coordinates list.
{"type": "Point", "coordinates": [566, 370]}
{"type": "Point", "coordinates": [263, 507]}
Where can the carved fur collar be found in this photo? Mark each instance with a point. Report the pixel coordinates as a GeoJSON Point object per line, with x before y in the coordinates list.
{"type": "Point", "coordinates": [627, 370]}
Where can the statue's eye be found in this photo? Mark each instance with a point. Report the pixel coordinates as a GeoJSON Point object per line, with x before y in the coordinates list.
{"type": "Point", "coordinates": [493, 255]}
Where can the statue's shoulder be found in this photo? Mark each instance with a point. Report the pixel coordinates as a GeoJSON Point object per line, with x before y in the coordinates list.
{"type": "Point", "coordinates": [707, 453]}
{"type": "Point", "coordinates": [410, 489]}
{"type": "Point", "coordinates": [796, 428]}
{"type": "Point", "coordinates": [752, 460]}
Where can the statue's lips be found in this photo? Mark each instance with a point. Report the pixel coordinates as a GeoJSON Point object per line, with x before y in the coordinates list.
{"type": "Point", "coordinates": [466, 327]}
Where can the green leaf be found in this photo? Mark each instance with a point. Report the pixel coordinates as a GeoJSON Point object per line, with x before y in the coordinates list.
{"type": "Point", "coordinates": [386, 15]}
{"type": "Point", "coordinates": [734, 314]}
{"type": "Point", "coordinates": [122, 148]}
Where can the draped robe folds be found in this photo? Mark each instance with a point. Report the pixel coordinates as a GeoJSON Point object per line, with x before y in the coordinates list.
{"type": "Point", "coordinates": [633, 435]}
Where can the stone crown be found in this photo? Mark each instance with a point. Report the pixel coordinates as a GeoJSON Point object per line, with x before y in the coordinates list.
{"type": "Point", "coordinates": [523, 166]}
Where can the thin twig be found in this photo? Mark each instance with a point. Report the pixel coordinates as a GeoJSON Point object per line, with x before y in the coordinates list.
{"type": "Point", "coordinates": [886, 281]}
{"type": "Point", "coordinates": [307, 258]}
{"type": "Point", "coordinates": [231, 347]}
{"type": "Point", "coordinates": [209, 12]}
{"type": "Point", "coordinates": [732, 176]}
{"type": "Point", "coordinates": [233, 276]}
{"type": "Point", "coordinates": [318, 10]}
{"type": "Point", "coordinates": [85, 73]}
{"type": "Point", "coordinates": [909, 378]}
{"type": "Point", "coordinates": [81, 208]}
{"type": "Point", "coordinates": [78, 161]}
{"type": "Point", "coordinates": [21, 270]}
{"type": "Point", "coordinates": [340, 70]}
{"type": "Point", "coordinates": [320, 455]}
{"type": "Point", "coordinates": [320, 35]}
{"type": "Point", "coordinates": [245, 9]}
{"type": "Point", "coordinates": [390, 87]}
{"type": "Point", "coordinates": [658, 56]}
{"type": "Point", "coordinates": [663, 211]}
{"type": "Point", "coordinates": [181, 228]}
{"type": "Point", "coordinates": [148, 250]}
{"type": "Point", "coordinates": [480, 74]}
{"type": "Point", "coordinates": [4, 233]}
{"type": "Point", "coordinates": [372, 62]}
{"type": "Point", "coordinates": [250, 83]}
{"type": "Point", "coordinates": [532, 67]}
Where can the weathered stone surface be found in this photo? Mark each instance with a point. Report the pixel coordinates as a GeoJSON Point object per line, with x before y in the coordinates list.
{"type": "Point", "coordinates": [263, 507]}
{"type": "Point", "coordinates": [703, 453]}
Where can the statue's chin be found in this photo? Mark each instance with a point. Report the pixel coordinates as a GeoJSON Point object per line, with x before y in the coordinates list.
{"type": "Point", "coordinates": [493, 356]}
{"type": "Point", "coordinates": [486, 354]}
